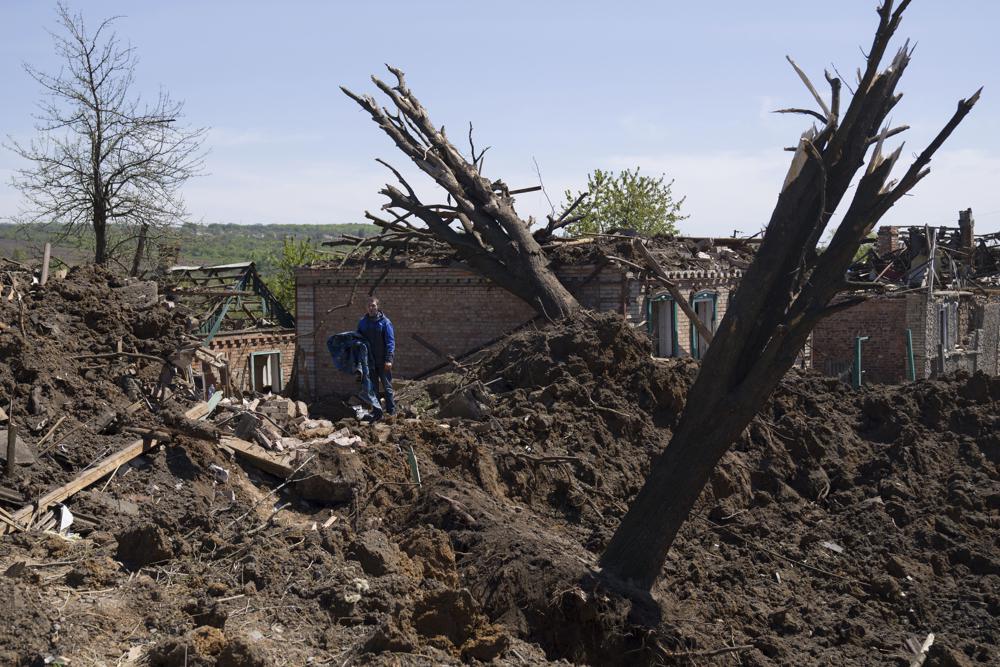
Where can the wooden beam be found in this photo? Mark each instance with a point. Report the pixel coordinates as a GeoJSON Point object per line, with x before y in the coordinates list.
{"type": "Point", "coordinates": [11, 448]}
{"type": "Point", "coordinates": [26, 514]}
{"type": "Point", "coordinates": [257, 456]}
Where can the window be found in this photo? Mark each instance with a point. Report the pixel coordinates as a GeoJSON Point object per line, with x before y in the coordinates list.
{"type": "Point", "coordinates": [266, 372]}
{"type": "Point", "coordinates": [704, 304]}
{"type": "Point", "coordinates": [947, 323]}
{"type": "Point", "coordinates": [662, 326]}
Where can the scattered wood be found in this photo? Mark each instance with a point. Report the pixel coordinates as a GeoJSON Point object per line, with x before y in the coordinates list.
{"type": "Point", "coordinates": [148, 434]}
{"type": "Point", "coordinates": [706, 653]}
{"type": "Point", "coordinates": [541, 460]}
{"type": "Point", "coordinates": [49, 433]}
{"type": "Point", "coordinates": [30, 512]}
{"type": "Point", "coordinates": [7, 519]}
{"type": "Point", "coordinates": [920, 650]}
{"type": "Point", "coordinates": [459, 508]}
{"type": "Point", "coordinates": [257, 456]}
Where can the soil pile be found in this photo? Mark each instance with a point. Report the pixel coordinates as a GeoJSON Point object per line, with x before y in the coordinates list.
{"type": "Point", "coordinates": [61, 365]}
{"type": "Point", "coordinates": [841, 525]}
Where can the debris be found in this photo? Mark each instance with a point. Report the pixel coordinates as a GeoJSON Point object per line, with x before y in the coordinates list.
{"type": "Point", "coordinates": [832, 546]}
{"type": "Point", "coordinates": [414, 468]}
{"type": "Point", "coordinates": [257, 456]}
{"type": "Point", "coordinates": [65, 518]}
{"type": "Point", "coordinates": [220, 473]}
{"type": "Point", "coordinates": [23, 453]}
{"type": "Point", "coordinates": [919, 649]}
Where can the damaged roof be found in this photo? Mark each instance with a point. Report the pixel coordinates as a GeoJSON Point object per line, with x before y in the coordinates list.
{"type": "Point", "coordinates": [676, 254]}
{"type": "Point", "coordinates": [918, 256]}
{"type": "Point", "coordinates": [227, 297]}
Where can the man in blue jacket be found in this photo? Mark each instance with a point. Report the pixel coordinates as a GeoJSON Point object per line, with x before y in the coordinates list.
{"type": "Point", "coordinates": [378, 331]}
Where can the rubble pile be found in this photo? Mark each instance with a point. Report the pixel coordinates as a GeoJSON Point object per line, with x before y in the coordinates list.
{"type": "Point", "coordinates": [844, 527]}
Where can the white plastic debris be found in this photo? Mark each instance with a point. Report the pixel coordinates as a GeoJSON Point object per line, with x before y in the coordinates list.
{"type": "Point", "coordinates": [832, 546]}
{"type": "Point", "coordinates": [65, 518]}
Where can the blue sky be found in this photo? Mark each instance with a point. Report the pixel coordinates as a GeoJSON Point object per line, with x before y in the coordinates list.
{"type": "Point", "coordinates": [679, 88]}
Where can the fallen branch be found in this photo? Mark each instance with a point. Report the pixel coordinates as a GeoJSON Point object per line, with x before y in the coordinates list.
{"type": "Point", "coordinates": [705, 653]}
{"type": "Point", "coordinates": [679, 299]}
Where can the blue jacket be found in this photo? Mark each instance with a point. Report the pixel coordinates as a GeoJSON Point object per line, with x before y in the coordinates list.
{"type": "Point", "coordinates": [381, 338]}
{"type": "Point", "coordinates": [350, 354]}
{"type": "Point", "coordinates": [349, 351]}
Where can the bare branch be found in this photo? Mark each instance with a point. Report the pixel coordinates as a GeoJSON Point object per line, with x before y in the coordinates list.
{"type": "Point", "coordinates": [812, 89]}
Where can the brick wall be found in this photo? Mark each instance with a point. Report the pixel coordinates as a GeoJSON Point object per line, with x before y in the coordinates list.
{"type": "Point", "coordinates": [453, 310]}
{"type": "Point", "coordinates": [236, 348]}
{"type": "Point", "coordinates": [883, 355]}
{"type": "Point", "coordinates": [974, 333]}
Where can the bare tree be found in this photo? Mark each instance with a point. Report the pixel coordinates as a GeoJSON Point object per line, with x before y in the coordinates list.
{"type": "Point", "coordinates": [103, 159]}
{"type": "Point", "coordinates": [785, 292]}
{"type": "Point", "coordinates": [478, 222]}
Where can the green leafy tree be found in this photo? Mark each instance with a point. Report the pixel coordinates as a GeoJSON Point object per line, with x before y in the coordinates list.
{"type": "Point", "coordinates": [626, 200]}
{"type": "Point", "coordinates": [281, 280]}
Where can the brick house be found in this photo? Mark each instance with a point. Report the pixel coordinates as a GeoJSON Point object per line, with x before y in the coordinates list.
{"type": "Point", "coordinates": [248, 337]}
{"type": "Point", "coordinates": [442, 309]}
{"type": "Point", "coordinates": [935, 318]}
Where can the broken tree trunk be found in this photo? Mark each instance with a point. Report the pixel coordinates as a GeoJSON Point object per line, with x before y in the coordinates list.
{"type": "Point", "coordinates": [490, 238]}
{"type": "Point", "coordinates": [782, 296]}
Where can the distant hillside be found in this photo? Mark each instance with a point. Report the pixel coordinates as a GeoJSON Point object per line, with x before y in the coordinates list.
{"type": "Point", "coordinates": [199, 244]}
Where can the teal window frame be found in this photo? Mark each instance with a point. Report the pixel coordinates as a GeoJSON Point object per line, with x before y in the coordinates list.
{"type": "Point", "coordinates": [703, 296]}
{"type": "Point", "coordinates": [651, 325]}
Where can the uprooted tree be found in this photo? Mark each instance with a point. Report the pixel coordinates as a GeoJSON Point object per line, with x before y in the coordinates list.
{"type": "Point", "coordinates": [479, 222]}
{"type": "Point", "coordinates": [785, 292]}
{"type": "Point", "coordinates": [788, 288]}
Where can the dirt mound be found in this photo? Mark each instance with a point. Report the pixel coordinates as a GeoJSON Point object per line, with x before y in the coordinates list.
{"type": "Point", "coordinates": [841, 525]}
{"type": "Point", "coordinates": [62, 366]}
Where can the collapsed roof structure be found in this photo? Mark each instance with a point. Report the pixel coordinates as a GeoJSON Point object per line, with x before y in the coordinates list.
{"type": "Point", "coordinates": [902, 257]}
{"type": "Point", "coordinates": [939, 310]}
{"type": "Point", "coordinates": [249, 335]}
{"type": "Point", "coordinates": [231, 297]}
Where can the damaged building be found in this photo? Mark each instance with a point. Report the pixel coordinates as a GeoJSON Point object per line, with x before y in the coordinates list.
{"type": "Point", "coordinates": [442, 310]}
{"type": "Point", "coordinates": [248, 337]}
{"type": "Point", "coordinates": [939, 311]}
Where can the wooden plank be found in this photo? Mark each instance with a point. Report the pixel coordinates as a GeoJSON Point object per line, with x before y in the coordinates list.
{"type": "Point", "coordinates": [26, 514]}
{"type": "Point", "coordinates": [257, 456]}
{"type": "Point", "coordinates": [11, 448]}
{"type": "Point", "coordinates": [46, 255]}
